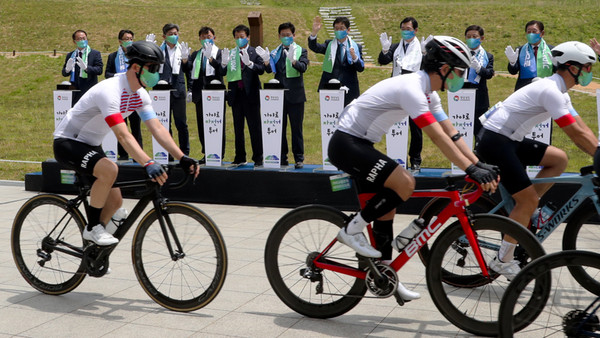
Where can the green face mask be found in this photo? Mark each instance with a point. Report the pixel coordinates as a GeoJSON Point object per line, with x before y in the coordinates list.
{"type": "Point", "coordinates": [584, 78]}
{"type": "Point", "coordinates": [149, 79]}
{"type": "Point", "coordinates": [81, 43]}
{"type": "Point", "coordinates": [456, 83]}
{"type": "Point", "coordinates": [172, 39]}
{"type": "Point", "coordinates": [126, 44]}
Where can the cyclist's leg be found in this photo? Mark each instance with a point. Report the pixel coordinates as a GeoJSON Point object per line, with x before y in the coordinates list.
{"type": "Point", "coordinates": [113, 203]}
{"type": "Point", "coordinates": [105, 172]}
{"type": "Point", "coordinates": [554, 162]}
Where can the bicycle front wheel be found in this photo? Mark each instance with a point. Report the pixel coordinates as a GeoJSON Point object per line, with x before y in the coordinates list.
{"type": "Point", "coordinates": [47, 245]}
{"type": "Point", "coordinates": [293, 244]}
{"type": "Point", "coordinates": [182, 280]}
{"type": "Point", "coordinates": [474, 309]}
{"type": "Point", "coordinates": [572, 308]}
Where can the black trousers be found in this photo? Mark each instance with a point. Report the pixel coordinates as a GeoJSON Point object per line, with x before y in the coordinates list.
{"type": "Point", "coordinates": [416, 143]}
{"type": "Point", "coordinates": [179, 116]}
{"type": "Point", "coordinates": [200, 122]}
{"type": "Point", "coordinates": [135, 123]}
{"type": "Point", "coordinates": [295, 112]}
{"type": "Point", "coordinates": [242, 110]}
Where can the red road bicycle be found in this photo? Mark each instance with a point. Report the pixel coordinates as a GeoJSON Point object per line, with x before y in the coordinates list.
{"type": "Point", "coordinates": [318, 277]}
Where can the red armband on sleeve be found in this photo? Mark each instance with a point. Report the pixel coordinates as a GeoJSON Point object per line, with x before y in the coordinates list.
{"type": "Point", "coordinates": [424, 120]}
{"type": "Point", "coordinates": [114, 119]}
{"type": "Point", "coordinates": [565, 120]}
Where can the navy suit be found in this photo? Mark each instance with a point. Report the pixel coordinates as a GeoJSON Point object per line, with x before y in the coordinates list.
{"type": "Point", "coordinates": [134, 119]}
{"type": "Point", "coordinates": [346, 73]}
{"type": "Point", "coordinates": [200, 83]}
{"type": "Point", "coordinates": [516, 68]}
{"type": "Point", "coordinates": [177, 104]}
{"type": "Point", "coordinates": [293, 104]}
{"type": "Point", "coordinates": [482, 98]}
{"type": "Point", "coordinates": [244, 99]}
{"type": "Point", "coordinates": [94, 68]}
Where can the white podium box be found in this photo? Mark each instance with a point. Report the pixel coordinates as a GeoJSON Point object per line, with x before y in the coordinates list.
{"type": "Point", "coordinates": [161, 100]}
{"type": "Point", "coordinates": [396, 141]}
{"type": "Point", "coordinates": [271, 116]}
{"type": "Point", "coordinates": [331, 104]}
{"type": "Point", "coordinates": [213, 111]}
{"type": "Point", "coordinates": [461, 111]}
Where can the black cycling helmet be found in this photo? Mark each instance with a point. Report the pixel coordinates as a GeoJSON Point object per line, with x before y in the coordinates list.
{"type": "Point", "coordinates": [446, 50]}
{"type": "Point", "coordinates": [142, 52]}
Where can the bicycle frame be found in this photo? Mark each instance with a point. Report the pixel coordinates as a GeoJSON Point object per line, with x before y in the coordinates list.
{"type": "Point", "coordinates": [586, 191]}
{"type": "Point", "coordinates": [456, 208]}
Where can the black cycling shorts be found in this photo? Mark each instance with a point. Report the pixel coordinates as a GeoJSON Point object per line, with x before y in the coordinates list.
{"type": "Point", "coordinates": [359, 158]}
{"type": "Point", "coordinates": [78, 156]}
{"type": "Point", "coordinates": [511, 157]}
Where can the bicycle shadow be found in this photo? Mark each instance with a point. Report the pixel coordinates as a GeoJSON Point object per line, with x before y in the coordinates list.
{"type": "Point", "coordinates": [361, 325]}
{"type": "Point", "coordinates": [90, 304]}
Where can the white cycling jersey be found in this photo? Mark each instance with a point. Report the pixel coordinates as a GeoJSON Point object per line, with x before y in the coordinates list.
{"type": "Point", "coordinates": [371, 115]}
{"type": "Point", "coordinates": [103, 106]}
{"type": "Point", "coordinates": [530, 105]}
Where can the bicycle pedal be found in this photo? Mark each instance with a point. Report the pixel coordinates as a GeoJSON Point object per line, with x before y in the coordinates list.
{"type": "Point", "coordinates": [400, 300]}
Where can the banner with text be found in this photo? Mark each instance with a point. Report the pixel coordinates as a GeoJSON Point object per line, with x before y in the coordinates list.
{"type": "Point", "coordinates": [160, 102]}
{"type": "Point", "coordinates": [461, 111]}
{"type": "Point", "coordinates": [397, 142]}
{"type": "Point", "coordinates": [541, 132]}
{"type": "Point", "coordinates": [271, 115]}
{"type": "Point", "coordinates": [62, 103]}
{"type": "Point", "coordinates": [213, 113]}
{"type": "Point", "coordinates": [332, 105]}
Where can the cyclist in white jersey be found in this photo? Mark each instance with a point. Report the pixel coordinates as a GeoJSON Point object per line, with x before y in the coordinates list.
{"type": "Point", "coordinates": [505, 125]}
{"type": "Point", "coordinates": [102, 109]}
{"type": "Point", "coordinates": [364, 121]}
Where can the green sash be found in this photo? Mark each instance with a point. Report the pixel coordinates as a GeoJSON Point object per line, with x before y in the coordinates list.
{"type": "Point", "coordinates": [290, 71]}
{"type": "Point", "coordinates": [544, 60]}
{"type": "Point", "coordinates": [234, 68]}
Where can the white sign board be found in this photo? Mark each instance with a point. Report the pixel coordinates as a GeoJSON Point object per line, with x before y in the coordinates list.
{"type": "Point", "coordinates": [461, 111]}
{"type": "Point", "coordinates": [62, 103]}
{"type": "Point", "coordinates": [332, 105]}
{"type": "Point", "coordinates": [160, 103]}
{"type": "Point", "coordinates": [213, 113]}
{"type": "Point", "coordinates": [271, 114]}
{"type": "Point", "coordinates": [542, 132]}
{"type": "Point", "coordinates": [397, 142]}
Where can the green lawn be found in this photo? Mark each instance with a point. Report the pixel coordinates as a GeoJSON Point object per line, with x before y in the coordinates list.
{"type": "Point", "coordinates": [28, 80]}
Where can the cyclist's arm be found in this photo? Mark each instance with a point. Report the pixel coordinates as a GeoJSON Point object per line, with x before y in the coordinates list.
{"type": "Point", "coordinates": [460, 143]}
{"type": "Point", "coordinates": [446, 145]}
{"type": "Point", "coordinates": [583, 138]}
{"type": "Point", "coordinates": [129, 143]}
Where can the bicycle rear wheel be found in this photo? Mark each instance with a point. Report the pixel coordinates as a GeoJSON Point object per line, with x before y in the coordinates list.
{"type": "Point", "coordinates": [473, 309]}
{"type": "Point", "coordinates": [43, 226]}
{"type": "Point", "coordinates": [191, 278]}
{"type": "Point", "coordinates": [571, 309]}
{"type": "Point", "coordinates": [294, 242]}
{"type": "Point", "coordinates": [582, 233]}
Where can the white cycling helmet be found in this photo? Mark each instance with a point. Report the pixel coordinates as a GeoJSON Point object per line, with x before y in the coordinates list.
{"type": "Point", "coordinates": [447, 50]}
{"type": "Point", "coordinates": [573, 52]}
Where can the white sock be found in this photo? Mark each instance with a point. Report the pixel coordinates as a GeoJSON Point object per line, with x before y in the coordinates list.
{"type": "Point", "coordinates": [356, 225]}
{"type": "Point", "coordinates": [386, 261]}
{"type": "Point", "coordinates": [507, 251]}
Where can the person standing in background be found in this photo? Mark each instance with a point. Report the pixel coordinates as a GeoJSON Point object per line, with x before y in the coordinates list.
{"type": "Point", "coordinates": [82, 66]}
{"type": "Point", "coordinates": [117, 64]}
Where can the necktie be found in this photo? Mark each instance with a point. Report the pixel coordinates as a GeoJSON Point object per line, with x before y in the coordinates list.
{"type": "Point", "coordinates": [472, 53]}
{"type": "Point", "coordinates": [535, 51]}
{"type": "Point", "coordinates": [167, 70]}
{"type": "Point", "coordinates": [80, 54]}
{"type": "Point", "coordinates": [342, 52]}
{"type": "Point", "coordinates": [405, 46]}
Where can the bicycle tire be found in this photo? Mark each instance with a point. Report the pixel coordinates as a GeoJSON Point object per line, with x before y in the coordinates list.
{"type": "Point", "coordinates": [189, 282]}
{"type": "Point", "coordinates": [474, 309]}
{"type": "Point", "coordinates": [582, 233]}
{"type": "Point", "coordinates": [568, 295]}
{"type": "Point", "coordinates": [435, 206]}
{"type": "Point", "coordinates": [62, 272]}
{"type": "Point", "coordinates": [291, 246]}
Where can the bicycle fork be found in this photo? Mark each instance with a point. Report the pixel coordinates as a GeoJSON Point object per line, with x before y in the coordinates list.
{"type": "Point", "coordinates": [166, 226]}
{"type": "Point", "coordinates": [465, 221]}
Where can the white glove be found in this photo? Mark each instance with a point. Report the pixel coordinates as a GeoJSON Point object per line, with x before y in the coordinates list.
{"type": "Point", "coordinates": [188, 98]}
{"type": "Point", "coordinates": [245, 58]}
{"type": "Point", "coordinates": [81, 64]}
{"type": "Point", "coordinates": [185, 50]}
{"type": "Point", "coordinates": [151, 38]}
{"type": "Point", "coordinates": [475, 65]}
{"type": "Point", "coordinates": [291, 51]}
{"type": "Point", "coordinates": [385, 42]}
{"type": "Point", "coordinates": [70, 64]}
{"type": "Point", "coordinates": [207, 51]}
{"type": "Point", "coordinates": [263, 53]}
{"type": "Point", "coordinates": [224, 57]}
{"type": "Point", "coordinates": [511, 54]}
{"type": "Point", "coordinates": [424, 42]}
